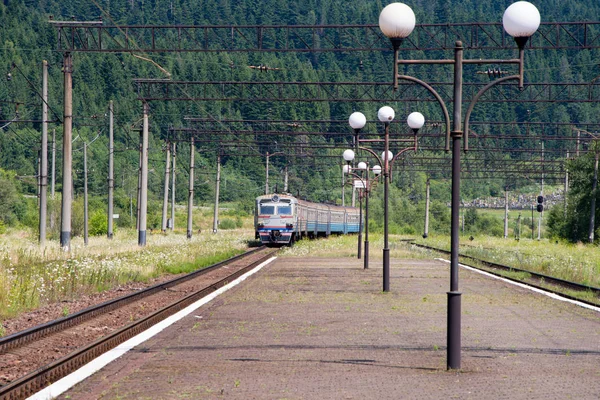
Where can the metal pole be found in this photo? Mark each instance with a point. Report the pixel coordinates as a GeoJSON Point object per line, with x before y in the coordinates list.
{"type": "Point", "coordinates": [144, 181]}
{"type": "Point", "coordinates": [191, 189]}
{"type": "Point", "coordinates": [173, 188]}
{"type": "Point", "coordinates": [44, 155]}
{"type": "Point", "coordinates": [217, 187]}
{"type": "Point", "coordinates": [454, 296]}
{"type": "Point", "coordinates": [359, 225]}
{"type": "Point", "coordinates": [267, 175]}
{"type": "Point", "coordinates": [426, 230]}
{"type": "Point", "coordinates": [166, 192]}
{"type": "Point", "coordinates": [505, 212]}
{"type": "Point", "coordinates": [367, 225]}
{"type": "Point", "coordinates": [65, 228]}
{"type": "Point", "coordinates": [139, 186]}
{"type": "Point", "coordinates": [593, 205]}
{"type": "Point", "coordinates": [111, 170]}
{"type": "Point", "coordinates": [532, 229]}
{"type": "Point", "coordinates": [566, 187]}
{"type": "Point", "coordinates": [285, 180]}
{"type": "Point", "coordinates": [38, 175]}
{"type": "Point", "coordinates": [386, 175]}
{"type": "Point", "coordinates": [541, 194]}
{"type": "Point", "coordinates": [85, 197]}
{"type": "Point", "coordinates": [53, 160]}
{"type": "Point", "coordinates": [343, 188]}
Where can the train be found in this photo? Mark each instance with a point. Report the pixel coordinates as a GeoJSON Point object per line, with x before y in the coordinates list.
{"type": "Point", "coordinates": [282, 219]}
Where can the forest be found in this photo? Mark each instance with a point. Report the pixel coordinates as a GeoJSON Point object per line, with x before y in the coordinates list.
{"type": "Point", "coordinates": [28, 38]}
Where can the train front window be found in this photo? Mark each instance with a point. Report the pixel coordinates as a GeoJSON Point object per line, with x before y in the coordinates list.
{"type": "Point", "coordinates": [267, 210]}
{"type": "Point", "coordinates": [284, 210]}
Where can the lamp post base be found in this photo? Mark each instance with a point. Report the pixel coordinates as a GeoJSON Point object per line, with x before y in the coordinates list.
{"type": "Point", "coordinates": [453, 339]}
{"type": "Point", "coordinates": [359, 247]}
{"type": "Point", "coordinates": [366, 254]}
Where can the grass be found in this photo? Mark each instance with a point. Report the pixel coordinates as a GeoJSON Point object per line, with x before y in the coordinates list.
{"type": "Point", "coordinates": [347, 246]}
{"type": "Point", "coordinates": [31, 276]}
{"type": "Point", "coordinates": [573, 262]}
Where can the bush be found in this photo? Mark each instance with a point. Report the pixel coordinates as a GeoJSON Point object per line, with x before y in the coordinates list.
{"type": "Point", "coordinates": [227, 223]}
{"type": "Point", "coordinates": [98, 224]}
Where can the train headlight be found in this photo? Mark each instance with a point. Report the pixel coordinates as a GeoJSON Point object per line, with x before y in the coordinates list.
{"type": "Point", "coordinates": [260, 226]}
{"type": "Point", "coordinates": [289, 226]}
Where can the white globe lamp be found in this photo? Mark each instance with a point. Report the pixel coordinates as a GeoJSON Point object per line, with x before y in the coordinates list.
{"type": "Point", "coordinates": [521, 20]}
{"type": "Point", "coordinates": [357, 120]}
{"type": "Point", "coordinates": [397, 21]}
{"type": "Point", "coordinates": [386, 114]}
{"type": "Point", "coordinates": [415, 121]}
{"type": "Point", "coordinates": [348, 155]}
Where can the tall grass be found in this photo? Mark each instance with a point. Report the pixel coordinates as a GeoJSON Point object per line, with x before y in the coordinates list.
{"type": "Point", "coordinates": [31, 276]}
{"type": "Point", "coordinates": [574, 262]}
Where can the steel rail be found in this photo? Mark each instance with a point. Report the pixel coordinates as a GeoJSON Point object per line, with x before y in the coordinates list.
{"type": "Point", "coordinates": [21, 338]}
{"type": "Point", "coordinates": [39, 379]}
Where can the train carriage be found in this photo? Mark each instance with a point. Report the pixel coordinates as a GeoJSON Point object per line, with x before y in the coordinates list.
{"type": "Point", "coordinates": [282, 219]}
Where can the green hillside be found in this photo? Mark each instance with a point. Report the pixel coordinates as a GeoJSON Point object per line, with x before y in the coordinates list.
{"type": "Point", "coordinates": [28, 38]}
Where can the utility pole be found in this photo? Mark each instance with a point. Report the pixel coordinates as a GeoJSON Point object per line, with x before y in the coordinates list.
{"type": "Point", "coordinates": [144, 180]}
{"type": "Point", "coordinates": [217, 187]}
{"type": "Point", "coordinates": [191, 189]}
{"type": "Point", "coordinates": [267, 175]}
{"type": "Point", "coordinates": [541, 194]}
{"type": "Point", "coordinates": [53, 159]}
{"type": "Point", "coordinates": [173, 188]}
{"type": "Point", "coordinates": [343, 188]}
{"type": "Point", "coordinates": [566, 187]}
{"type": "Point", "coordinates": [85, 195]}
{"type": "Point", "coordinates": [426, 230]}
{"type": "Point", "coordinates": [44, 155]}
{"type": "Point", "coordinates": [139, 185]}
{"type": "Point", "coordinates": [166, 192]}
{"type": "Point", "coordinates": [506, 212]}
{"type": "Point", "coordinates": [65, 229]}
{"type": "Point", "coordinates": [285, 180]}
{"type": "Point", "coordinates": [594, 194]}
{"type": "Point", "coordinates": [111, 172]}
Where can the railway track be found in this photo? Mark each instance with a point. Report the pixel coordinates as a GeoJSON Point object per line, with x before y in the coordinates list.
{"type": "Point", "coordinates": [534, 279]}
{"type": "Point", "coordinates": [39, 356]}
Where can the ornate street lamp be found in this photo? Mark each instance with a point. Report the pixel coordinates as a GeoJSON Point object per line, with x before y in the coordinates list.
{"type": "Point", "coordinates": [386, 115]}
{"type": "Point", "coordinates": [397, 21]}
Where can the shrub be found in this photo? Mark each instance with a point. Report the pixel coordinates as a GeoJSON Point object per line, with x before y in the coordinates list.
{"type": "Point", "coordinates": [227, 223]}
{"type": "Point", "coordinates": [98, 224]}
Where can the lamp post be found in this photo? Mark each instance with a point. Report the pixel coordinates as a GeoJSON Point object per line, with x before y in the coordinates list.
{"type": "Point", "coordinates": [347, 170]}
{"type": "Point", "coordinates": [397, 21]}
{"type": "Point", "coordinates": [415, 121]}
{"type": "Point", "coordinates": [366, 183]}
{"type": "Point", "coordinates": [267, 169]}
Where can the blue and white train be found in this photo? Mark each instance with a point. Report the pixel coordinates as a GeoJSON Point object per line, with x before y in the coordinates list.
{"type": "Point", "coordinates": [282, 219]}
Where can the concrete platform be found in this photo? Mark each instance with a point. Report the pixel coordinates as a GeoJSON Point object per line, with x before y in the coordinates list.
{"type": "Point", "coordinates": [322, 329]}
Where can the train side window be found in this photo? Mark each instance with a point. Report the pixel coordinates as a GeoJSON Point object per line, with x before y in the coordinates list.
{"type": "Point", "coordinates": [267, 210]}
{"type": "Point", "coordinates": [284, 210]}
